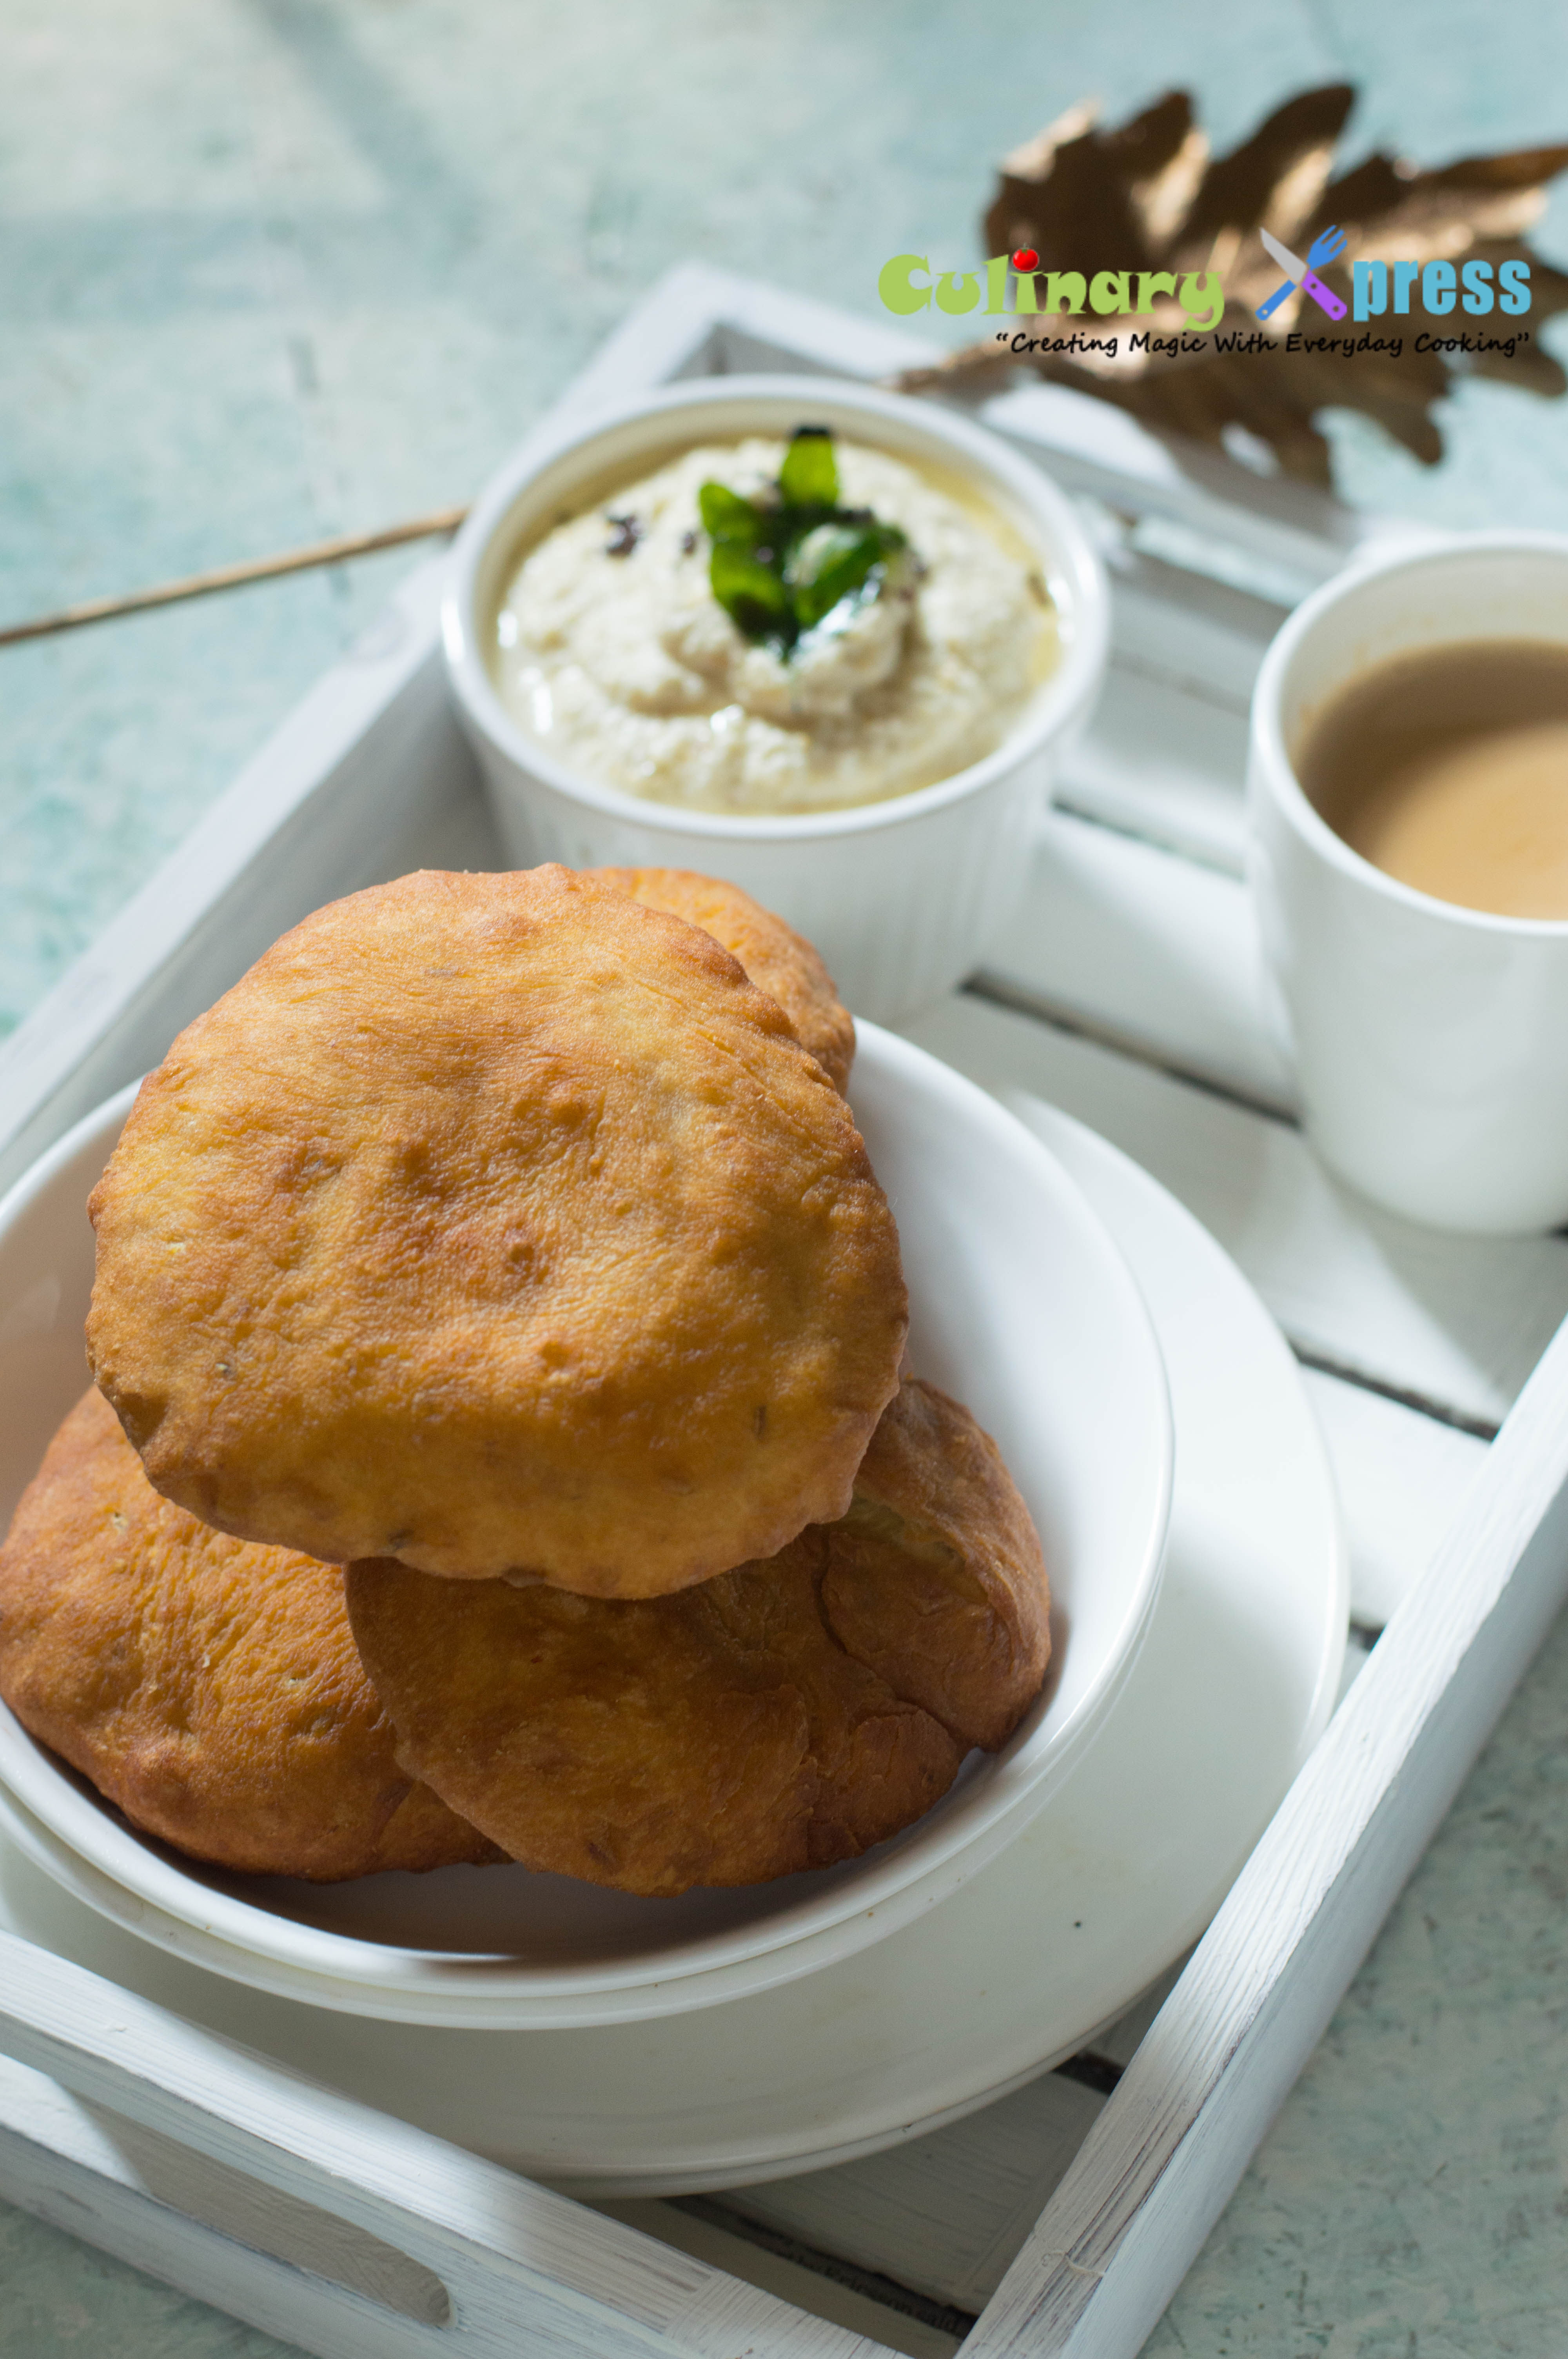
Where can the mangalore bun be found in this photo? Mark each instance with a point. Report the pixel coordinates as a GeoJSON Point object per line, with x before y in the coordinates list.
{"type": "Point", "coordinates": [776, 958]}
{"type": "Point", "coordinates": [935, 1577]}
{"type": "Point", "coordinates": [499, 1224]}
{"type": "Point", "coordinates": [209, 1687]}
{"type": "Point", "coordinates": [785, 1715]}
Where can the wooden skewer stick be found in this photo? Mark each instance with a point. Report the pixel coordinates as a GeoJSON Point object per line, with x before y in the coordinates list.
{"type": "Point", "coordinates": [231, 577]}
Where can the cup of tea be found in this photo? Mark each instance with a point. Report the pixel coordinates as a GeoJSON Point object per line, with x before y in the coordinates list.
{"type": "Point", "coordinates": [1407, 781]}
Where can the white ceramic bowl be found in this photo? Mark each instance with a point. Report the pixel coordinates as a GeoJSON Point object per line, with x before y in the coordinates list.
{"type": "Point", "coordinates": [1022, 1307]}
{"type": "Point", "coordinates": [900, 897]}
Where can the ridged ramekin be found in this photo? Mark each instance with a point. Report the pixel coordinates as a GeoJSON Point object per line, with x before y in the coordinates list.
{"type": "Point", "coordinates": [900, 897]}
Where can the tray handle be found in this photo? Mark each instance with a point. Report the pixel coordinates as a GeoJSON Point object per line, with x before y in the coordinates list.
{"type": "Point", "coordinates": [399, 2246]}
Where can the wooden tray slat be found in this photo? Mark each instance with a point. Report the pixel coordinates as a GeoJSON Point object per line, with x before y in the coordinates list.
{"type": "Point", "coordinates": [1455, 1322]}
{"type": "Point", "coordinates": [1161, 2161]}
{"type": "Point", "coordinates": [472, 2247]}
{"type": "Point", "coordinates": [1158, 953]}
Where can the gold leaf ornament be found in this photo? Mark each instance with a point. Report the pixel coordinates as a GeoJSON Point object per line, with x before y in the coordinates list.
{"type": "Point", "coordinates": [1150, 196]}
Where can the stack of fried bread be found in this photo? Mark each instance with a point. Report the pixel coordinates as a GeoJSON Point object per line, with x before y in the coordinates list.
{"type": "Point", "coordinates": [501, 1448]}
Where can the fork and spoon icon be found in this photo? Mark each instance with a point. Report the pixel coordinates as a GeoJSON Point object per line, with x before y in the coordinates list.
{"type": "Point", "coordinates": [1326, 247]}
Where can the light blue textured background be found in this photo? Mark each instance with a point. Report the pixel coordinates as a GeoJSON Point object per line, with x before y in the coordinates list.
{"type": "Point", "coordinates": [272, 269]}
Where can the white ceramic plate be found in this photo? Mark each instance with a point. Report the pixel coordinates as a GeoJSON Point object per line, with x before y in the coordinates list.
{"type": "Point", "coordinates": [1056, 1936]}
{"type": "Point", "coordinates": [1022, 1307]}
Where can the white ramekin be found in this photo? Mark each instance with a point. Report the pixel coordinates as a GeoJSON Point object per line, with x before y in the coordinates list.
{"type": "Point", "coordinates": [900, 897]}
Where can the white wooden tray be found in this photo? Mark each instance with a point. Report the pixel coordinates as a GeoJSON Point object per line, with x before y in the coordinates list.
{"type": "Point", "coordinates": [1128, 993]}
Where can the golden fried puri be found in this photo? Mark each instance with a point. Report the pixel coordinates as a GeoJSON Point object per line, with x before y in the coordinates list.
{"type": "Point", "coordinates": [209, 1687]}
{"type": "Point", "coordinates": [784, 1715]}
{"type": "Point", "coordinates": [497, 1224]}
{"type": "Point", "coordinates": [934, 1577]}
{"type": "Point", "coordinates": [776, 958]}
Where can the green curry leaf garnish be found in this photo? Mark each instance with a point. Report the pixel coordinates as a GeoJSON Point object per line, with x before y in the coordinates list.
{"type": "Point", "coordinates": [751, 592]}
{"type": "Point", "coordinates": [809, 475]}
{"type": "Point", "coordinates": [784, 562]}
{"type": "Point", "coordinates": [728, 520]}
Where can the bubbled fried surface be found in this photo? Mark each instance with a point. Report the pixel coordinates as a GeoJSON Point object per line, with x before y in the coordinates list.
{"type": "Point", "coordinates": [935, 1576]}
{"type": "Point", "coordinates": [787, 1714]}
{"type": "Point", "coordinates": [776, 958]}
{"type": "Point", "coordinates": [715, 1736]}
{"type": "Point", "coordinates": [496, 1223]}
{"type": "Point", "coordinates": [209, 1689]}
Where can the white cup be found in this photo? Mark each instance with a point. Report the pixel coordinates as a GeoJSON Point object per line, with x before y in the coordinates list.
{"type": "Point", "coordinates": [1431, 1042]}
{"type": "Point", "coordinates": [901, 898]}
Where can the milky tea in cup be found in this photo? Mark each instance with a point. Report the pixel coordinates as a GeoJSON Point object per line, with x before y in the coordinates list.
{"type": "Point", "coordinates": [1446, 766]}
{"type": "Point", "coordinates": [1408, 858]}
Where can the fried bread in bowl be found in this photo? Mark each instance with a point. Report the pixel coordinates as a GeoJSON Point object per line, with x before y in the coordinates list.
{"type": "Point", "coordinates": [1022, 1308]}
{"type": "Point", "coordinates": [209, 1688]}
{"type": "Point", "coordinates": [498, 1224]}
